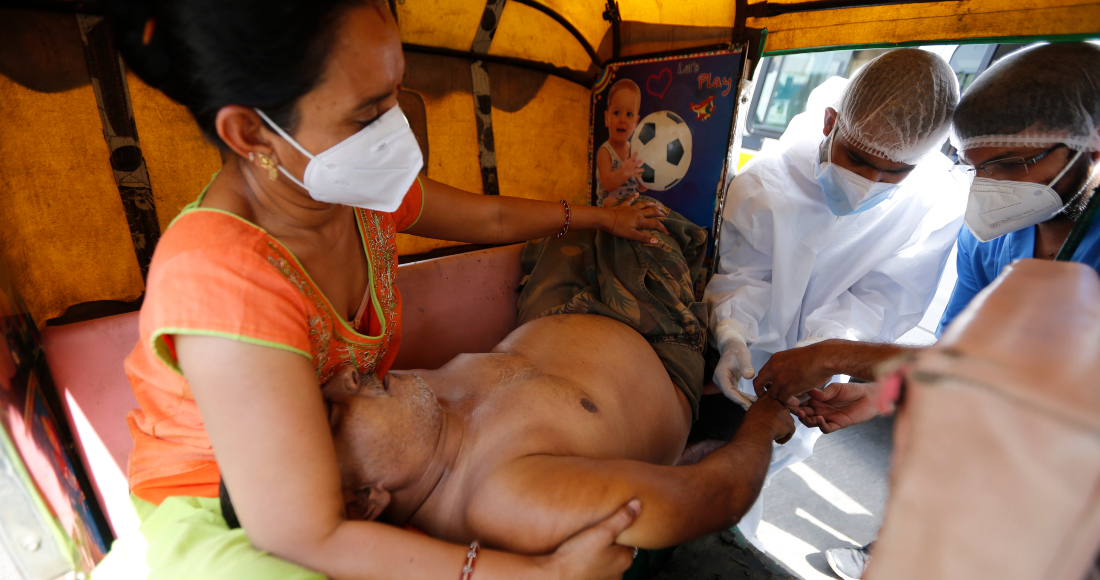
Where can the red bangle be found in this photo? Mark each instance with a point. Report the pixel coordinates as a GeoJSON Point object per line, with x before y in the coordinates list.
{"type": "Point", "coordinates": [471, 559]}
{"type": "Point", "coordinates": [565, 228]}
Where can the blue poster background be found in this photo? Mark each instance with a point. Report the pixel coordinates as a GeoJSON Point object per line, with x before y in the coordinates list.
{"type": "Point", "coordinates": [681, 84]}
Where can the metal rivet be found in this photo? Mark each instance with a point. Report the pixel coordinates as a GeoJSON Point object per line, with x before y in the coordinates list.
{"type": "Point", "coordinates": [31, 543]}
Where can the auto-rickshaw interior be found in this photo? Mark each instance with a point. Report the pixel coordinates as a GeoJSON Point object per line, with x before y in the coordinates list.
{"type": "Point", "coordinates": [504, 98]}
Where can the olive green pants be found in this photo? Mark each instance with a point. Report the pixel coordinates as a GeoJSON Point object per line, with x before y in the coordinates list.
{"type": "Point", "coordinates": [187, 538]}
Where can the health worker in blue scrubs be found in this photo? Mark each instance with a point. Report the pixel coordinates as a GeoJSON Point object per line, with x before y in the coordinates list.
{"type": "Point", "coordinates": [1034, 162]}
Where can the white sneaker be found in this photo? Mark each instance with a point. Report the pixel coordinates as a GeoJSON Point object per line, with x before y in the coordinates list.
{"type": "Point", "coordinates": [849, 563]}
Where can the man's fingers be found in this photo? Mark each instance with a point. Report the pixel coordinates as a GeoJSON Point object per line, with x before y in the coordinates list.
{"type": "Point", "coordinates": [823, 395]}
{"type": "Point", "coordinates": [760, 390]}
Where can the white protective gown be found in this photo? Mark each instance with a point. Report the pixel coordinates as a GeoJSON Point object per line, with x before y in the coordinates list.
{"type": "Point", "coordinates": [790, 270]}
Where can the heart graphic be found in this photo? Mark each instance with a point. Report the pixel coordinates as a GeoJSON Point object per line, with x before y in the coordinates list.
{"type": "Point", "coordinates": [650, 84]}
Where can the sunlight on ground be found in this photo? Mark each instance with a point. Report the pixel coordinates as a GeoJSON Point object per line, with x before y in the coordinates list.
{"type": "Point", "coordinates": [790, 551]}
{"type": "Point", "coordinates": [828, 491]}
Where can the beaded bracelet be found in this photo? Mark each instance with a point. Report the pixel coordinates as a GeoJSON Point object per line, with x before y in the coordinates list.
{"type": "Point", "coordinates": [565, 228]}
{"type": "Point", "coordinates": [471, 559]}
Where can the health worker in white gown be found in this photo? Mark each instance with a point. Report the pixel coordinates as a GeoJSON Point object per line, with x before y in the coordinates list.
{"type": "Point", "coordinates": [843, 231]}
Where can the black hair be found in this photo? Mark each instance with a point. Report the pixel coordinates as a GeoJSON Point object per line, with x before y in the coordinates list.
{"type": "Point", "coordinates": [1055, 87]}
{"type": "Point", "coordinates": [205, 54]}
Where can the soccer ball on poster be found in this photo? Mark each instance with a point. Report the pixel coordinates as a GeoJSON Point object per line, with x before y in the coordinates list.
{"type": "Point", "coordinates": [662, 141]}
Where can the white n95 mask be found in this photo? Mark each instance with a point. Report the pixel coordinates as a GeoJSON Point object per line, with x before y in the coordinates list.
{"type": "Point", "coordinates": [372, 169]}
{"type": "Point", "coordinates": [995, 208]}
{"type": "Point", "coordinates": [845, 192]}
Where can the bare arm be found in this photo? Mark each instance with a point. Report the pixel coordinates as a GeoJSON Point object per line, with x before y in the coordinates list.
{"type": "Point", "coordinates": [452, 214]}
{"type": "Point", "coordinates": [795, 371]}
{"type": "Point", "coordinates": [530, 504]}
{"type": "Point", "coordinates": [265, 416]}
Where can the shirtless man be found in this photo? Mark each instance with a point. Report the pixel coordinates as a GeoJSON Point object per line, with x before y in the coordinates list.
{"type": "Point", "coordinates": [566, 420]}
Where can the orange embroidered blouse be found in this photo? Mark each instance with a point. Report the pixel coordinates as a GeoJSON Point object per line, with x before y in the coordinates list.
{"type": "Point", "coordinates": [216, 274]}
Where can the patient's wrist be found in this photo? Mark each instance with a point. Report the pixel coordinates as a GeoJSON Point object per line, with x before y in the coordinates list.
{"type": "Point", "coordinates": [834, 355]}
{"type": "Point", "coordinates": [859, 359]}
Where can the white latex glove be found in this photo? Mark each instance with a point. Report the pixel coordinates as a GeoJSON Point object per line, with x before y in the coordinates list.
{"type": "Point", "coordinates": [736, 362]}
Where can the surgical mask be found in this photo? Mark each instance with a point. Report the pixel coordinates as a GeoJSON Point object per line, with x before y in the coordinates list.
{"type": "Point", "coordinates": [845, 192]}
{"type": "Point", "coordinates": [372, 169]}
{"type": "Point", "coordinates": [996, 208]}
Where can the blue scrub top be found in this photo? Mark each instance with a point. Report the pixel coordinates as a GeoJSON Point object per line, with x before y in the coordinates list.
{"type": "Point", "coordinates": [979, 263]}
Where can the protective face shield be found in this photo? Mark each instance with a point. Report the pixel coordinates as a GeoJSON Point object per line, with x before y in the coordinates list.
{"type": "Point", "coordinates": [372, 169]}
{"type": "Point", "coordinates": [845, 192]}
{"type": "Point", "coordinates": [996, 208]}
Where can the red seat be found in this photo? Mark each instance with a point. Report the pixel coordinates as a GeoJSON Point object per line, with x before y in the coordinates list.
{"type": "Point", "coordinates": [85, 360]}
{"type": "Point", "coordinates": [456, 304]}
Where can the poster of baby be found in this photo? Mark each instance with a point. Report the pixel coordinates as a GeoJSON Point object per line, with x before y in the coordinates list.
{"type": "Point", "coordinates": [661, 127]}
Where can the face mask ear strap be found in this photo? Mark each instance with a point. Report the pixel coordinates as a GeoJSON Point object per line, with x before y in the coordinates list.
{"type": "Point", "coordinates": [1064, 169]}
{"type": "Point", "coordinates": [829, 142]}
{"type": "Point", "coordinates": [284, 135]}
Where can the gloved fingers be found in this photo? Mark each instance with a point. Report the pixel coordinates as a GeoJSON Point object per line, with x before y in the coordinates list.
{"type": "Point", "coordinates": [744, 358]}
{"type": "Point", "coordinates": [742, 399]}
{"type": "Point", "coordinates": [726, 378]}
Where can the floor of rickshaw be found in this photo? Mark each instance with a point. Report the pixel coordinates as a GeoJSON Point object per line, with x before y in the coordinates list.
{"type": "Point", "coordinates": [835, 499]}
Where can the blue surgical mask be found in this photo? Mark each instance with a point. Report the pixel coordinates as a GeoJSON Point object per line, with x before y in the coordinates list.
{"type": "Point", "coordinates": [845, 192]}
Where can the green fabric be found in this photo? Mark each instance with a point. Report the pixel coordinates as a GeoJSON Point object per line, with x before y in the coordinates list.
{"type": "Point", "coordinates": [650, 288]}
{"type": "Point", "coordinates": [187, 538]}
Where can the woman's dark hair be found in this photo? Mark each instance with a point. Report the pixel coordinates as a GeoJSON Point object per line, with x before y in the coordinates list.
{"type": "Point", "coordinates": [205, 54]}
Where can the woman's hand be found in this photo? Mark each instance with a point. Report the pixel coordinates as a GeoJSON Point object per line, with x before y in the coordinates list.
{"type": "Point", "coordinates": [593, 553]}
{"type": "Point", "coordinates": [629, 218]}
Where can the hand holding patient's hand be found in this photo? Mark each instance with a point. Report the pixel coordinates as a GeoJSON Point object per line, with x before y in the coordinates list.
{"type": "Point", "coordinates": [794, 372]}
{"type": "Point", "coordinates": [839, 405]}
{"type": "Point", "coordinates": [593, 554]}
{"type": "Point", "coordinates": [630, 218]}
{"type": "Point", "coordinates": [775, 416]}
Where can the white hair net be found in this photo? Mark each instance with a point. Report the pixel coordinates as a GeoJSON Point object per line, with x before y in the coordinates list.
{"type": "Point", "coordinates": [899, 105]}
{"type": "Point", "coordinates": [1037, 97]}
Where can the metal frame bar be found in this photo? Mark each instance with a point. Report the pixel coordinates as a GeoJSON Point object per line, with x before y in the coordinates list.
{"type": "Point", "coordinates": [566, 25]}
{"type": "Point", "coordinates": [584, 79]}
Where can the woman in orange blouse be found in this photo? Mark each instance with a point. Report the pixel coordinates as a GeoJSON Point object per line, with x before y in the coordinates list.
{"type": "Point", "coordinates": [263, 287]}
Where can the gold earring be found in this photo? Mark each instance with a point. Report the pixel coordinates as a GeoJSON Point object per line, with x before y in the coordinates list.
{"type": "Point", "coordinates": [269, 165]}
